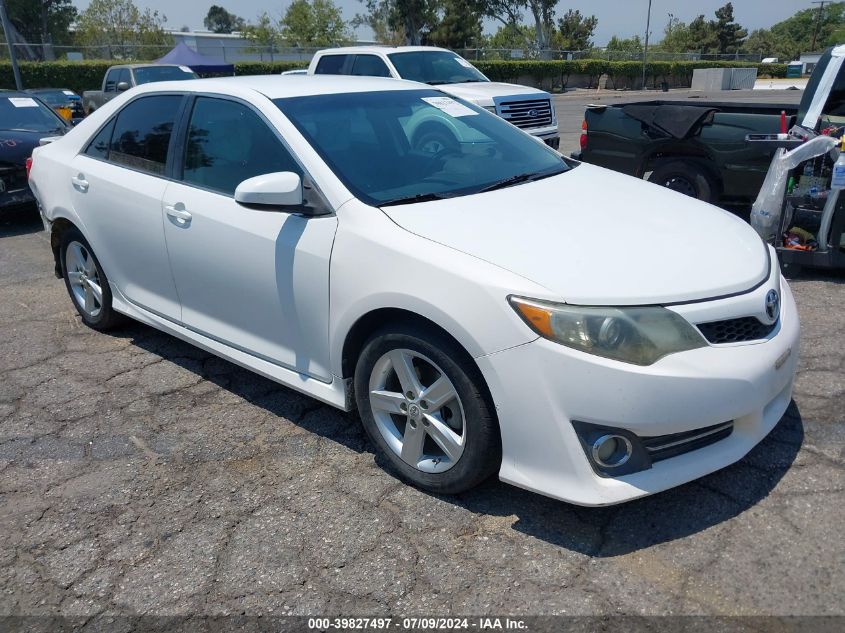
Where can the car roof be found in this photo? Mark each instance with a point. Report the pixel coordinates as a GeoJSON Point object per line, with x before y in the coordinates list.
{"type": "Point", "coordinates": [281, 86]}
{"type": "Point", "coordinates": [346, 50]}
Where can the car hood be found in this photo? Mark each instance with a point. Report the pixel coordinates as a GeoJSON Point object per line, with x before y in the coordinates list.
{"type": "Point", "coordinates": [484, 92]}
{"type": "Point", "coordinates": [16, 146]}
{"type": "Point", "coordinates": [595, 237]}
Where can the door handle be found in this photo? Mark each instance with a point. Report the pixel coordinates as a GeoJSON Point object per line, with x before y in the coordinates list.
{"type": "Point", "coordinates": [80, 183]}
{"type": "Point", "coordinates": [178, 213]}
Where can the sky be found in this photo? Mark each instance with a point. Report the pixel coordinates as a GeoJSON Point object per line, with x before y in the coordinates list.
{"type": "Point", "coordinates": [616, 17]}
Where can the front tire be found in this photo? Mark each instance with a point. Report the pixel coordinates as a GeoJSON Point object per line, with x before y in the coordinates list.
{"type": "Point", "coordinates": [86, 282]}
{"type": "Point", "coordinates": [423, 404]}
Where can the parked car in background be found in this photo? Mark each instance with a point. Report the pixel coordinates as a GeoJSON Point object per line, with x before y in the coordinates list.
{"type": "Point", "coordinates": [455, 299]}
{"type": "Point", "coordinates": [703, 150]}
{"type": "Point", "coordinates": [525, 107]}
{"type": "Point", "coordinates": [62, 100]}
{"type": "Point", "coordinates": [24, 121]}
{"type": "Point", "coordinates": [119, 79]}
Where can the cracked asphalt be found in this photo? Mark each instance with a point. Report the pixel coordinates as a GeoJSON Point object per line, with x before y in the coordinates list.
{"type": "Point", "coordinates": [140, 475]}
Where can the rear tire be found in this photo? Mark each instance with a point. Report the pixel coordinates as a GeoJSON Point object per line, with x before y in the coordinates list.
{"type": "Point", "coordinates": [430, 418]}
{"type": "Point", "coordinates": [86, 282]}
{"type": "Point", "coordinates": [687, 178]}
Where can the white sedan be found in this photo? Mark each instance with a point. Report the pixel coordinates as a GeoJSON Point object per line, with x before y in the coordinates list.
{"type": "Point", "coordinates": [488, 308]}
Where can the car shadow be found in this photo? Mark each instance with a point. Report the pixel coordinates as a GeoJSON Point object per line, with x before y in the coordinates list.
{"type": "Point", "coordinates": [599, 532]}
{"type": "Point", "coordinates": [20, 221]}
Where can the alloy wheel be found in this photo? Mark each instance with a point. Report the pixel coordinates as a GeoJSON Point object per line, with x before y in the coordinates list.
{"type": "Point", "coordinates": [84, 279]}
{"type": "Point", "coordinates": [417, 410]}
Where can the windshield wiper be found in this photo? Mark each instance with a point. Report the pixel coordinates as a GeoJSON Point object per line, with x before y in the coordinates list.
{"type": "Point", "coordinates": [519, 179]}
{"type": "Point", "coordinates": [420, 197]}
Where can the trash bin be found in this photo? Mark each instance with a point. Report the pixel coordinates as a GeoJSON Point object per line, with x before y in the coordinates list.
{"type": "Point", "coordinates": [793, 70]}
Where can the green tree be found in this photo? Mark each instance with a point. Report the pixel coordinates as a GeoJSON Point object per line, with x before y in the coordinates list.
{"type": "Point", "coordinates": [729, 34]}
{"type": "Point", "coordinates": [702, 36]}
{"type": "Point", "coordinates": [459, 26]}
{"type": "Point", "coordinates": [122, 30]}
{"type": "Point", "coordinates": [788, 38]}
{"type": "Point", "coordinates": [219, 20]}
{"type": "Point", "coordinates": [42, 21]}
{"type": "Point", "coordinates": [625, 47]}
{"type": "Point", "coordinates": [389, 18]}
{"type": "Point", "coordinates": [575, 31]}
{"type": "Point", "coordinates": [543, 12]}
{"type": "Point", "coordinates": [509, 14]}
{"type": "Point", "coordinates": [314, 23]}
{"type": "Point", "coordinates": [263, 35]}
{"type": "Point", "coordinates": [676, 37]}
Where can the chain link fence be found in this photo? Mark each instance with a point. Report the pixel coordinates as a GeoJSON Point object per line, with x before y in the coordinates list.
{"type": "Point", "coordinates": [238, 50]}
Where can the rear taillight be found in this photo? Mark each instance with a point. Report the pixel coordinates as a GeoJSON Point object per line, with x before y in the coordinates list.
{"type": "Point", "coordinates": [583, 140]}
{"type": "Point", "coordinates": [28, 167]}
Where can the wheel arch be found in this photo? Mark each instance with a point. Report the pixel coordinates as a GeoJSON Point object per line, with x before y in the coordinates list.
{"type": "Point", "coordinates": [58, 227]}
{"type": "Point", "coordinates": [375, 319]}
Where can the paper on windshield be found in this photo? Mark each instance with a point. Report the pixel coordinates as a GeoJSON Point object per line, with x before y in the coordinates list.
{"type": "Point", "coordinates": [186, 69]}
{"type": "Point", "coordinates": [449, 106]}
{"type": "Point", "coordinates": [23, 102]}
{"type": "Point", "coordinates": [69, 93]}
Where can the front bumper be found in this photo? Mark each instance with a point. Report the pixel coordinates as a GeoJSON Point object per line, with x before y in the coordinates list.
{"type": "Point", "coordinates": [541, 387]}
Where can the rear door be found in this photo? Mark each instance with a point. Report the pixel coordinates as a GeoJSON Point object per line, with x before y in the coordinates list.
{"type": "Point", "coordinates": [118, 183]}
{"type": "Point", "coordinates": [255, 279]}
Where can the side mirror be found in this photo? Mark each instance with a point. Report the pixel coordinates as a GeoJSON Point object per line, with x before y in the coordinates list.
{"type": "Point", "coordinates": [122, 86]}
{"type": "Point", "coordinates": [280, 189]}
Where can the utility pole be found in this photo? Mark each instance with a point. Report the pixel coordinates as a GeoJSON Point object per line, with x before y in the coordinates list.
{"type": "Point", "coordinates": [7, 31]}
{"type": "Point", "coordinates": [821, 4]}
{"type": "Point", "coordinates": [645, 48]}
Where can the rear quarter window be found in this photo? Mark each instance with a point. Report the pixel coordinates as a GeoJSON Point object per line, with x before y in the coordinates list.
{"type": "Point", "coordinates": [331, 65]}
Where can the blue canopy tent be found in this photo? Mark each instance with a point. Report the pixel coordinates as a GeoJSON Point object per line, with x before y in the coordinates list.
{"type": "Point", "coordinates": [183, 55]}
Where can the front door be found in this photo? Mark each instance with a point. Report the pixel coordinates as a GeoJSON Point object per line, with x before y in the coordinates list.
{"type": "Point", "coordinates": [257, 280]}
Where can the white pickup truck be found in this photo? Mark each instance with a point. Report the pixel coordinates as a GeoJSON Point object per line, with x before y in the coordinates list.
{"type": "Point", "coordinates": [526, 107]}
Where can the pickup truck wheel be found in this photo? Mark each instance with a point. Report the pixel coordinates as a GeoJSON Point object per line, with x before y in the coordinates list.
{"type": "Point", "coordinates": [422, 403]}
{"type": "Point", "coordinates": [686, 178]}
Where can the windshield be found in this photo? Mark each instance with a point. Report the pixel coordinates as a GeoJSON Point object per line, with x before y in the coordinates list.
{"type": "Point", "coordinates": [413, 145]}
{"type": "Point", "coordinates": [28, 114]}
{"type": "Point", "coordinates": [435, 67]}
{"type": "Point", "coordinates": [162, 73]}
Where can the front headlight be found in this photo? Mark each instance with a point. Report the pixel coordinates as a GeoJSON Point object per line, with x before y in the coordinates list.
{"type": "Point", "coordinates": [641, 336]}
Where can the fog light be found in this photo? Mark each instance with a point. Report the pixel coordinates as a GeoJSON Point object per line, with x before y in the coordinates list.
{"type": "Point", "coordinates": [611, 451]}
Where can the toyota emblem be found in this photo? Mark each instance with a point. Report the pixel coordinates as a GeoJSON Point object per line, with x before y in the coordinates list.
{"type": "Point", "coordinates": [773, 305]}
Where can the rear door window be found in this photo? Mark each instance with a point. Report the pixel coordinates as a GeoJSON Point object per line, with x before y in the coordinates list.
{"type": "Point", "coordinates": [331, 65]}
{"type": "Point", "coordinates": [370, 66]}
{"type": "Point", "coordinates": [142, 133]}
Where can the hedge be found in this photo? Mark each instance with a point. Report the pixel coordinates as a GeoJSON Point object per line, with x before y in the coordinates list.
{"type": "Point", "coordinates": [558, 72]}
{"type": "Point", "coordinates": [88, 75]}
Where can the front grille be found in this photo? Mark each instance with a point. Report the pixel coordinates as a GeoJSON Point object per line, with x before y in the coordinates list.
{"type": "Point", "coordinates": [739, 330]}
{"type": "Point", "coordinates": [13, 178]}
{"type": "Point", "coordinates": [528, 113]}
{"type": "Point", "coordinates": [665, 446]}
